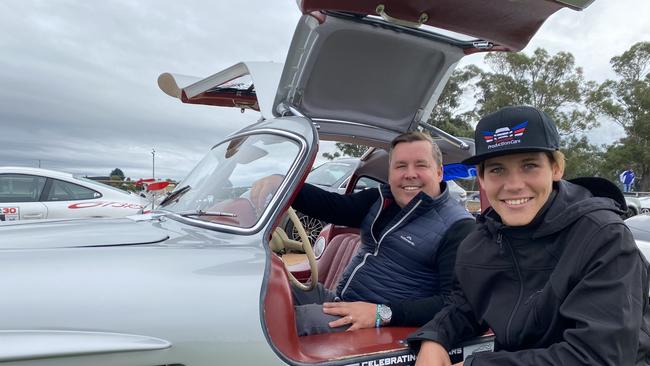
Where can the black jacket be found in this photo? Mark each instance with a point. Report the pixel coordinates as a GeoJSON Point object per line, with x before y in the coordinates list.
{"type": "Point", "coordinates": [355, 210]}
{"type": "Point", "coordinates": [571, 288]}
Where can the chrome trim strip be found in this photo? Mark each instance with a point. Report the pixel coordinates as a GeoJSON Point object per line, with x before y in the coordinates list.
{"type": "Point", "coordinates": [26, 345]}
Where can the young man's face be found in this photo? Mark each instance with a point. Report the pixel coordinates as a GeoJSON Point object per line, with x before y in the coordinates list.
{"type": "Point", "coordinates": [518, 185]}
{"type": "Point", "coordinates": [413, 169]}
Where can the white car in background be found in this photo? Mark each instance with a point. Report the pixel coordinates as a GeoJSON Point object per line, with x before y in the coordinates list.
{"type": "Point", "coordinates": [32, 193]}
{"type": "Point", "coordinates": [644, 203]}
{"type": "Point", "coordinates": [640, 227]}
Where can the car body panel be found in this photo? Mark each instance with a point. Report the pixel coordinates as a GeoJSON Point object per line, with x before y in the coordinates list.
{"type": "Point", "coordinates": [504, 22]}
{"type": "Point", "coordinates": [207, 269]}
{"type": "Point", "coordinates": [640, 227]}
{"type": "Point", "coordinates": [14, 211]}
{"type": "Point", "coordinates": [79, 233]}
{"type": "Point", "coordinates": [25, 345]}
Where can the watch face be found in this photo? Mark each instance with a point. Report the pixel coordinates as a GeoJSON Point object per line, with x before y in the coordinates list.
{"type": "Point", "coordinates": [385, 313]}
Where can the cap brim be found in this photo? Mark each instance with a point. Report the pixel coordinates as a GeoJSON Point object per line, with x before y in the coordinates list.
{"type": "Point", "coordinates": [476, 159]}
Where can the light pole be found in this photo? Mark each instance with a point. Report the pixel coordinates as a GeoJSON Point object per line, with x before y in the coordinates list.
{"type": "Point", "coordinates": [153, 163]}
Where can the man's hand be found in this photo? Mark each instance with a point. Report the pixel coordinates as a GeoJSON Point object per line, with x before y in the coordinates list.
{"type": "Point", "coordinates": [358, 315]}
{"type": "Point", "coordinates": [263, 189]}
{"type": "Point", "coordinates": [433, 354]}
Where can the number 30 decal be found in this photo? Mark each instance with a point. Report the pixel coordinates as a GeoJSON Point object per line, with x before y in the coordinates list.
{"type": "Point", "coordinates": [9, 210]}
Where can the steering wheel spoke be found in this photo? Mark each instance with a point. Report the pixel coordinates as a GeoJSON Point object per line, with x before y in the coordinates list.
{"type": "Point", "coordinates": [304, 245]}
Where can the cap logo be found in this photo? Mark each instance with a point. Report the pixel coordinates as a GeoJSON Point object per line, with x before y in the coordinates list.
{"type": "Point", "coordinates": [504, 135]}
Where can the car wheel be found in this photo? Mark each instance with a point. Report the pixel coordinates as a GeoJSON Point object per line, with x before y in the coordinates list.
{"type": "Point", "coordinates": [312, 226]}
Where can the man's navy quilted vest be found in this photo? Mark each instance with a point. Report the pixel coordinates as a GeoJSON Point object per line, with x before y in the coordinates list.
{"type": "Point", "coordinates": [400, 263]}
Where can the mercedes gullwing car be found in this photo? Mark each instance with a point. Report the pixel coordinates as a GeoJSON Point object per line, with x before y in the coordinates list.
{"type": "Point", "coordinates": [201, 280]}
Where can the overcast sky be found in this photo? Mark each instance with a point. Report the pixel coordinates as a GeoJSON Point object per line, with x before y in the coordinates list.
{"type": "Point", "coordinates": [78, 78]}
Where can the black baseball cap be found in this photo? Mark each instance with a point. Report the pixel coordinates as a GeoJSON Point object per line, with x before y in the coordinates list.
{"type": "Point", "coordinates": [512, 130]}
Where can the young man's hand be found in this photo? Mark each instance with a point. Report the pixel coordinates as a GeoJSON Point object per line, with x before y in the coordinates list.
{"type": "Point", "coordinates": [358, 315]}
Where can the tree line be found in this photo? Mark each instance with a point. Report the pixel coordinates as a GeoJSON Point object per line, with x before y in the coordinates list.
{"type": "Point", "coordinates": [556, 85]}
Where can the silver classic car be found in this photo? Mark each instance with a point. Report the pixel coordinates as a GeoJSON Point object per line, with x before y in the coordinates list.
{"type": "Point", "coordinates": [201, 280]}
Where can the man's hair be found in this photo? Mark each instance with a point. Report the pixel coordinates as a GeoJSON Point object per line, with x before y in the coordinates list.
{"type": "Point", "coordinates": [413, 136]}
{"type": "Point", "coordinates": [556, 157]}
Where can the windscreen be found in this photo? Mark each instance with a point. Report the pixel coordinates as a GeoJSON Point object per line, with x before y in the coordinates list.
{"type": "Point", "coordinates": [218, 189]}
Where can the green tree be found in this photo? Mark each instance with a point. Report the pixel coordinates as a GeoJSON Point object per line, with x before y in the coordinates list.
{"type": "Point", "coordinates": [344, 149]}
{"type": "Point", "coordinates": [117, 174]}
{"type": "Point", "coordinates": [552, 83]}
{"type": "Point", "coordinates": [446, 114]}
{"type": "Point", "coordinates": [626, 101]}
{"type": "Point", "coordinates": [582, 158]}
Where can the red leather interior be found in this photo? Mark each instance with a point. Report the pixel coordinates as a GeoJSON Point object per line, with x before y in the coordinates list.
{"type": "Point", "coordinates": [279, 315]}
{"type": "Point", "coordinates": [301, 270]}
{"type": "Point", "coordinates": [281, 325]}
{"type": "Point", "coordinates": [335, 258]}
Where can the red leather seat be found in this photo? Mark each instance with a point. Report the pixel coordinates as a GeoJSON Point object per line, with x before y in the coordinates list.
{"type": "Point", "coordinates": [336, 257]}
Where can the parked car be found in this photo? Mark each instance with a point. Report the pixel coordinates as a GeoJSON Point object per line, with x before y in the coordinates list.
{"type": "Point", "coordinates": [640, 227]}
{"type": "Point", "coordinates": [333, 175]}
{"type": "Point", "coordinates": [200, 281]}
{"type": "Point", "coordinates": [633, 206]}
{"type": "Point", "coordinates": [644, 204]}
{"type": "Point", "coordinates": [32, 193]}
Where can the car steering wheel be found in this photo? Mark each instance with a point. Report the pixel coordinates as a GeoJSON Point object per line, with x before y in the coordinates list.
{"type": "Point", "coordinates": [281, 239]}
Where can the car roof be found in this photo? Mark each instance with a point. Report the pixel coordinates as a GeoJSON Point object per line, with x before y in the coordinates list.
{"type": "Point", "coordinates": [36, 171]}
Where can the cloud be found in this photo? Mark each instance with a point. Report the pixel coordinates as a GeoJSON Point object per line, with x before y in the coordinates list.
{"type": "Point", "coordinates": [79, 88]}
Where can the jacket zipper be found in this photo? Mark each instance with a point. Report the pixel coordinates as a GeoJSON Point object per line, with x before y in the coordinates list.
{"type": "Point", "coordinates": [378, 242]}
{"type": "Point", "coordinates": [381, 206]}
{"type": "Point", "coordinates": [521, 285]}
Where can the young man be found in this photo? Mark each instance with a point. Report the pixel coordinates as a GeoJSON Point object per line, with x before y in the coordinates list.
{"type": "Point", "coordinates": [551, 268]}
{"type": "Point", "coordinates": [410, 230]}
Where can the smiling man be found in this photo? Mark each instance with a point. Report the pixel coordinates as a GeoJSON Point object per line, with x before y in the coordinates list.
{"type": "Point", "coordinates": [410, 230]}
{"type": "Point", "coordinates": [551, 269]}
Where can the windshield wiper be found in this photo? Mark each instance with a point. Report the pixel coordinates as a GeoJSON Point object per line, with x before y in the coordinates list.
{"type": "Point", "coordinates": [207, 213]}
{"type": "Point", "coordinates": [175, 195]}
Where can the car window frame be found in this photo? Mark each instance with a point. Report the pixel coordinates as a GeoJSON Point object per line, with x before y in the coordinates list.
{"type": "Point", "coordinates": [359, 178]}
{"type": "Point", "coordinates": [49, 186]}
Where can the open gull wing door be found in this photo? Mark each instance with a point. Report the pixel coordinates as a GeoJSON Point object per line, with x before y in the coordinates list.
{"type": "Point", "coordinates": [504, 22]}
{"type": "Point", "coordinates": [364, 79]}
{"type": "Point", "coordinates": [246, 85]}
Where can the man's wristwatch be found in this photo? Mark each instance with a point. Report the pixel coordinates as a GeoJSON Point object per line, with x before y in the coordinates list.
{"type": "Point", "coordinates": [384, 314]}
